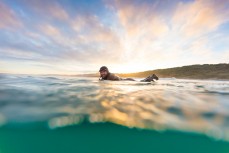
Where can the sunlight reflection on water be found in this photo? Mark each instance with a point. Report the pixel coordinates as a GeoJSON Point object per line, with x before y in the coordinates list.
{"type": "Point", "coordinates": [186, 105]}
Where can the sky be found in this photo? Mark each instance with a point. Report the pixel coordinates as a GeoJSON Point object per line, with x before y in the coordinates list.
{"type": "Point", "coordinates": [80, 36]}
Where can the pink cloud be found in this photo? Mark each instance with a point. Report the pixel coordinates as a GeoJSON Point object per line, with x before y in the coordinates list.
{"type": "Point", "coordinates": [200, 17]}
{"type": "Point", "coordinates": [49, 8]}
{"type": "Point", "coordinates": [50, 30]}
{"type": "Point", "coordinates": [8, 17]}
{"type": "Point", "coordinates": [139, 20]}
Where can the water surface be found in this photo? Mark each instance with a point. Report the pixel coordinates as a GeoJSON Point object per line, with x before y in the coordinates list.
{"type": "Point", "coordinates": [70, 113]}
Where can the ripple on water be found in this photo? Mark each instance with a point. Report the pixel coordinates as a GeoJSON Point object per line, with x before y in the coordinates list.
{"type": "Point", "coordinates": [186, 105]}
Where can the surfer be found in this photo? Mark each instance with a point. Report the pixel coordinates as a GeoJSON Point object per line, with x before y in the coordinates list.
{"type": "Point", "coordinates": [106, 75]}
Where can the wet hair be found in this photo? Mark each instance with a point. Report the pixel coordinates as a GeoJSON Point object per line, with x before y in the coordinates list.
{"type": "Point", "coordinates": [103, 68]}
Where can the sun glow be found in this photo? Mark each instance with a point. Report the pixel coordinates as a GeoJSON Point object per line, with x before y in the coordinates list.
{"type": "Point", "coordinates": [129, 68]}
{"type": "Point", "coordinates": [126, 36]}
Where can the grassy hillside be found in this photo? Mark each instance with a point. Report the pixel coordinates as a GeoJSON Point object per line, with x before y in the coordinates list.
{"type": "Point", "coordinates": [206, 71]}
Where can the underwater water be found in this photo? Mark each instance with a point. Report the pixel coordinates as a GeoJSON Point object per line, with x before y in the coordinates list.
{"type": "Point", "coordinates": [80, 114]}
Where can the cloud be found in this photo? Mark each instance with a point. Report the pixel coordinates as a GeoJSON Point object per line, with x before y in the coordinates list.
{"type": "Point", "coordinates": [8, 17]}
{"type": "Point", "coordinates": [140, 27]}
{"type": "Point", "coordinates": [200, 17]}
{"type": "Point", "coordinates": [182, 36]}
{"type": "Point", "coordinates": [69, 36]}
{"type": "Point", "coordinates": [92, 28]}
{"type": "Point", "coordinates": [140, 19]}
{"type": "Point", "coordinates": [50, 30]}
{"type": "Point", "coordinates": [48, 9]}
{"type": "Point", "coordinates": [50, 44]}
{"type": "Point", "coordinates": [86, 43]}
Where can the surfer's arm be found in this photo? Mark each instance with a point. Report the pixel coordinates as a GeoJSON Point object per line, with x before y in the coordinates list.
{"type": "Point", "coordinates": [114, 77]}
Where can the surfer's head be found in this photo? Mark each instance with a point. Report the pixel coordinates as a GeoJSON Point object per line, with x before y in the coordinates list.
{"type": "Point", "coordinates": [103, 72]}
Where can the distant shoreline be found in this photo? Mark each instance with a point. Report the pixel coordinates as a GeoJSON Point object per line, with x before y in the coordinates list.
{"type": "Point", "coordinates": [200, 72]}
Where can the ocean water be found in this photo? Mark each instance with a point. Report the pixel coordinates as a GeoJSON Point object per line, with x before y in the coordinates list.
{"type": "Point", "coordinates": [79, 114]}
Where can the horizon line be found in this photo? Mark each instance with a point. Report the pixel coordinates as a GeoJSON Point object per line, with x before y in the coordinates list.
{"type": "Point", "coordinates": [95, 72]}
